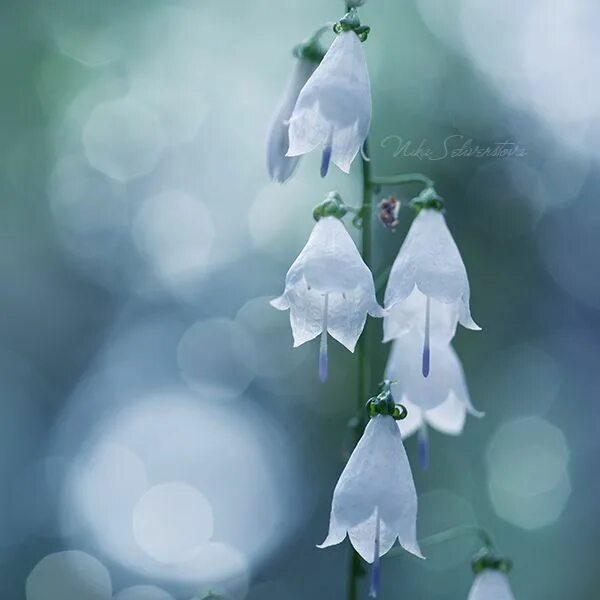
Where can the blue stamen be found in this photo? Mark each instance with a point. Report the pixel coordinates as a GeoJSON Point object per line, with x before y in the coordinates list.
{"type": "Point", "coordinates": [323, 360]}
{"type": "Point", "coordinates": [423, 447]}
{"type": "Point", "coordinates": [326, 158]}
{"type": "Point", "coordinates": [375, 585]}
{"type": "Point", "coordinates": [426, 347]}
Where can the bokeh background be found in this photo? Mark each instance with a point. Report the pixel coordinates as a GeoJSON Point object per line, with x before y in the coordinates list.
{"type": "Point", "coordinates": [156, 427]}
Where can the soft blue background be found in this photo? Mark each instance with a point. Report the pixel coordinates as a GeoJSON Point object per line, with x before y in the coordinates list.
{"type": "Point", "coordinates": [136, 210]}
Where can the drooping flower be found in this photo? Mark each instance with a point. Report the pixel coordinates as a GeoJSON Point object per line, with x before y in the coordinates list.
{"type": "Point", "coordinates": [375, 501]}
{"type": "Point", "coordinates": [428, 289]}
{"type": "Point", "coordinates": [491, 584]}
{"type": "Point", "coordinates": [280, 166]}
{"type": "Point", "coordinates": [440, 401]}
{"type": "Point", "coordinates": [333, 110]}
{"type": "Point", "coordinates": [328, 289]}
{"type": "Point", "coordinates": [446, 379]}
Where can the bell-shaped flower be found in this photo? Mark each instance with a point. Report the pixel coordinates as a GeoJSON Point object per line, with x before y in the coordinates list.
{"type": "Point", "coordinates": [333, 110]}
{"type": "Point", "coordinates": [428, 288]}
{"type": "Point", "coordinates": [375, 501]}
{"type": "Point", "coordinates": [280, 166]}
{"type": "Point", "coordinates": [445, 380]}
{"type": "Point", "coordinates": [491, 584]}
{"type": "Point", "coordinates": [441, 400]}
{"type": "Point", "coordinates": [328, 289]}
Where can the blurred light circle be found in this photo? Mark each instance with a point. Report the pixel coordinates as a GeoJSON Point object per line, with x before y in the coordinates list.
{"type": "Point", "coordinates": [525, 49]}
{"type": "Point", "coordinates": [71, 575]}
{"type": "Point", "coordinates": [527, 461]}
{"type": "Point", "coordinates": [171, 521]}
{"type": "Point", "coordinates": [143, 592]}
{"type": "Point", "coordinates": [175, 232]}
{"type": "Point", "coordinates": [179, 102]}
{"type": "Point", "coordinates": [280, 218]}
{"type": "Point", "coordinates": [483, 23]}
{"type": "Point", "coordinates": [104, 485]}
{"type": "Point", "coordinates": [222, 569]}
{"type": "Point", "coordinates": [531, 512]}
{"type": "Point", "coordinates": [123, 139]}
{"type": "Point", "coordinates": [276, 358]}
{"type": "Point", "coordinates": [217, 356]}
{"type": "Point", "coordinates": [276, 215]}
{"type": "Point", "coordinates": [119, 492]}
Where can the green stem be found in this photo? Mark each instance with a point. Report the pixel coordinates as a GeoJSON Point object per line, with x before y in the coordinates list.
{"type": "Point", "coordinates": [449, 535]}
{"type": "Point", "coordinates": [403, 180]}
{"type": "Point", "coordinates": [364, 366]}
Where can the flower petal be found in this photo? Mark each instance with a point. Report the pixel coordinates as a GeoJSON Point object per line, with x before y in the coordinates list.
{"type": "Point", "coordinates": [337, 98]}
{"type": "Point", "coordinates": [430, 260]}
{"type": "Point", "coordinates": [331, 262]}
{"type": "Point", "coordinates": [280, 166]}
{"type": "Point", "coordinates": [306, 314]}
{"type": "Point", "coordinates": [491, 585]}
{"type": "Point", "coordinates": [337, 532]}
{"type": "Point", "coordinates": [280, 303]}
{"type": "Point", "coordinates": [413, 420]}
{"type": "Point", "coordinates": [465, 318]}
{"type": "Point", "coordinates": [378, 476]}
{"type": "Point", "coordinates": [449, 417]}
{"type": "Point", "coordinates": [409, 315]}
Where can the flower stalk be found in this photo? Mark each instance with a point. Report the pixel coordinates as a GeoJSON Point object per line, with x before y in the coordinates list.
{"type": "Point", "coordinates": [364, 367]}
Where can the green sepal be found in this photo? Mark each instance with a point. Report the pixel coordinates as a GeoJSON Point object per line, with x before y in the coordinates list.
{"type": "Point", "coordinates": [383, 404]}
{"type": "Point", "coordinates": [332, 206]}
{"type": "Point", "coordinates": [428, 199]}
{"type": "Point", "coordinates": [351, 22]}
{"type": "Point", "coordinates": [486, 559]}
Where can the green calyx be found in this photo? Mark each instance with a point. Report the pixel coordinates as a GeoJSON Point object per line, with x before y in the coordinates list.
{"type": "Point", "coordinates": [428, 199]}
{"type": "Point", "coordinates": [351, 22]}
{"type": "Point", "coordinates": [332, 206]}
{"type": "Point", "coordinates": [383, 403]}
{"type": "Point", "coordinates": [486, 559]}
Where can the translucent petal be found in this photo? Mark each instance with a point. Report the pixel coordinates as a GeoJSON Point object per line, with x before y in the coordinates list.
{"type": "Point", "coordinates": [280, 303]}
{"type": "Point", "coordinates": [409, 316]}
{"type": "Point", "coordinates": [338, 97]}
{"type": "Point", "coordinates": [465, 318]}
{"type": "Point", "coordinates": [404, 366]}
{"type": "Point", "coordinates": [280, 166]}
{"type": "Point", "coordinates": [347, 316]}
{"type": "Point", "coordinates": [377, 476]}
{"type": "Point", "coordinates": [413, 420]}
{"type": "Point", "coordinates": [306, 313]}
{"type": "Point", "coordinates": [331, 262]}
{"type": "Point", "coordinates": [449, 417]}
{"type": "Point", "coordinates": [491, 585]}
{"type": "Point", "coordinates": [430, 260]}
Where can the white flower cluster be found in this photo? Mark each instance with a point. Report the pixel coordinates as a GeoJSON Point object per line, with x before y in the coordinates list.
{"type": "Point", "coordinates": [330, 290]}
